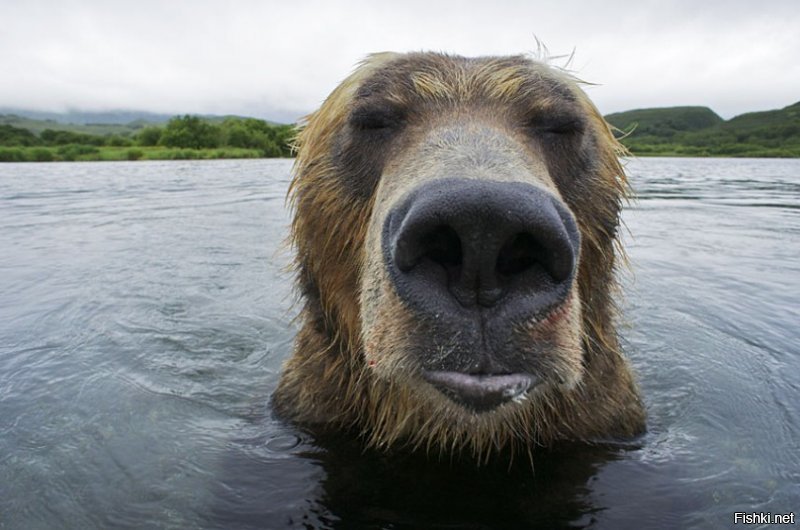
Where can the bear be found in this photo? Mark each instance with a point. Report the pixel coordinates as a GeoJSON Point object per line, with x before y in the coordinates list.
{"type": "Point", "coordinates": [455, 229]}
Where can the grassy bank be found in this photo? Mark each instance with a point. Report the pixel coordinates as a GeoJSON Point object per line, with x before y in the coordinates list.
{"type": "Point", "coordinates": [722, 151]}
{"type": "Point", "coordinates": [88, 153]}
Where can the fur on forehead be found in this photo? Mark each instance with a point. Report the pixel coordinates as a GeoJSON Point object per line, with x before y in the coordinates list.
{"type": "Point", "coordinates": [445, 78]}
{"type": "Point", "coordinates": [437, 78]}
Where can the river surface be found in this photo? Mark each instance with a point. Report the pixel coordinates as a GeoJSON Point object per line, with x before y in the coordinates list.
{"type": "Point", "coordinates": [145, 311]}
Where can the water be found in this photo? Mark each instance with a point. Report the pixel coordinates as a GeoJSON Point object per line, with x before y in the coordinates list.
{"type": "Point", "coordinates": [145, 312]}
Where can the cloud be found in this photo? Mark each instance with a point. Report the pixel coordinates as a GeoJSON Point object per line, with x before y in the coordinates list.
{"type": "Point", "coordinates": [280, 59]}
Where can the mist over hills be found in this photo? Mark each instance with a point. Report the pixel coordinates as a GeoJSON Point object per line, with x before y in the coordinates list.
{"type": "Point", "coordinates": [79, 117]}
{"type": "Point", "coordinates": [122, 122]}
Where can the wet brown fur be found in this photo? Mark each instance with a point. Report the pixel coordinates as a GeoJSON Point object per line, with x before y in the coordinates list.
{"type": "Point", "coordinates": [327, 383]}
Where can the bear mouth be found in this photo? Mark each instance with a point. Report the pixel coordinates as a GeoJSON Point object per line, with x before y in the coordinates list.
{"type": "Point", "coordinates": [481, 392]}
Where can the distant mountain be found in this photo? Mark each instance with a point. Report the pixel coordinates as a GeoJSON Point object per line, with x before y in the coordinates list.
{"type": "Point", "coordinates": [36, 126]}
{"type": "Point", "coordinates": [102, 123]}
{"type": "Point", "coordinates": [699, 131]}
{"type": "Point", "coordinates": [77, 117]}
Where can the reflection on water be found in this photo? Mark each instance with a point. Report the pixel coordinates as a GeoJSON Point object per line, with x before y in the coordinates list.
{"type": "Point", "coordinates": [144, 315]}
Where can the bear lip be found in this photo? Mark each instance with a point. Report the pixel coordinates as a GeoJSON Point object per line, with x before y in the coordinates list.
{"type": "Point", "coordinates": [555, 313]}
{"type": "Point", "coordinates": [481, 392]}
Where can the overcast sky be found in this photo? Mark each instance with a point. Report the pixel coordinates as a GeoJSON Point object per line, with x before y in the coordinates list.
{"type": "Point", "coordinates": [279, 60]}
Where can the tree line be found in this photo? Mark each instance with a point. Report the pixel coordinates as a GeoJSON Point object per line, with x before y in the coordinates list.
{"type": "Point", "coordinates": [698, 131]}
{"type": "Point", "coordinates": [246, 136]}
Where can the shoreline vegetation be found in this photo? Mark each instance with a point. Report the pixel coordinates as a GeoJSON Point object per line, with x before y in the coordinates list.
{"type": "Point", "coordinates": [181, 138]}
{"type": "Point", "coordinates": [700, 132]}
{"type": "Point", "coordinates": [669, 132]}
{"type": "Point", "coordinates": [90, 153]}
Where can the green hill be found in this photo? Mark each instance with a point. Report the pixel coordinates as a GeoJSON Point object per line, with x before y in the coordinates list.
{"type": "Point", "coordinates": [698, 131]}
{"type": "Point", "coordinates": [664, 122]}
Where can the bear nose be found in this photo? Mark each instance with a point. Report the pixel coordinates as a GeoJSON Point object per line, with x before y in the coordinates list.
{"type": "Point", "coordinates": [482, 244]}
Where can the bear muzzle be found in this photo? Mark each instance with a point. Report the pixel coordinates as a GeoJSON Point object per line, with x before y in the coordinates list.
{"type": "Point", "coordinates": [476, 259]}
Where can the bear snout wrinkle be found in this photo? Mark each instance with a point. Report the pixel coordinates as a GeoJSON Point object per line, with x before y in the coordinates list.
{"type": "Point", "coordinates": [481, 244]}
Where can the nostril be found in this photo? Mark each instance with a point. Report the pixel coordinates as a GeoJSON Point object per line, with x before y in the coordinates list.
{"type": "Point", "coordinates": [520, 253]}
{"type": "Point", "coordinates": [443, 246]}
{"type": "Point", "coordinates": [455, 244]}
{"type": "Point", "coordinates": [440, 245]}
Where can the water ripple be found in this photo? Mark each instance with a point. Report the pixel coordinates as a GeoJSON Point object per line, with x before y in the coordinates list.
{"type": "Point", "coordinates": [145, 312]}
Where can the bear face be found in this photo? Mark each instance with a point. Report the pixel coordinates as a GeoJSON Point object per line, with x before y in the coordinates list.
{"type": "Point", "coordinates": [455, 227]}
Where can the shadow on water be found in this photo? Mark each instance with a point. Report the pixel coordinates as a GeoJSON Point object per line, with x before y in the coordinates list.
{"type": "Point", "coordinates": [358, 489]}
